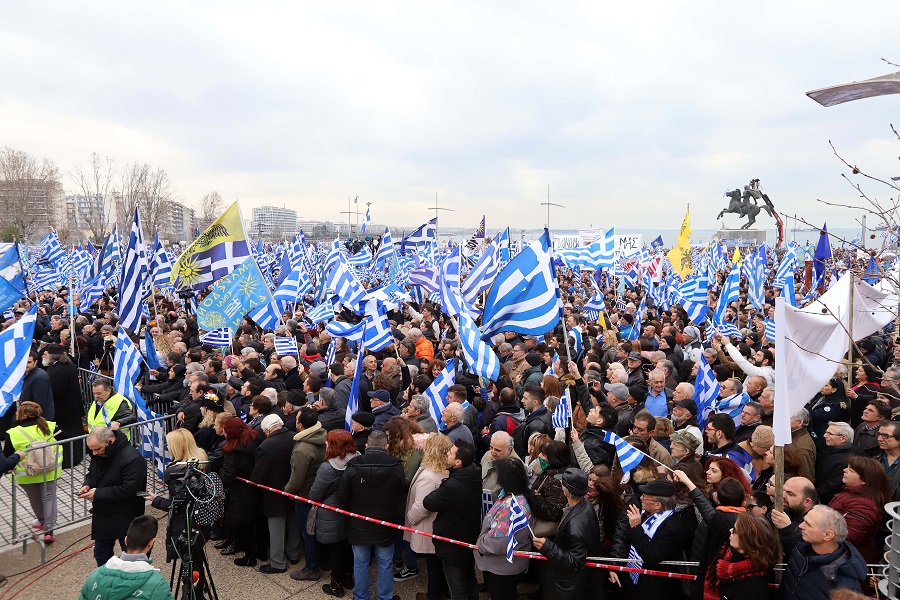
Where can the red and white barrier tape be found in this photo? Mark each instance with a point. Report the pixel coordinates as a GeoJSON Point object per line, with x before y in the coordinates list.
{"type": "Point", "coordinates": [459, 543]}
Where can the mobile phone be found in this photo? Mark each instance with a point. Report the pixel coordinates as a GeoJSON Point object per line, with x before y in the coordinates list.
{"type": "Point", "coordinates": [143, 494]}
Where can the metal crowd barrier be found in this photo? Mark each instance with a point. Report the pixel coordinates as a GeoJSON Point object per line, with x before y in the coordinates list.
{"type": "Point", "coordinates": [889, 587]}
{"type": "Point", "coordinates": [16, 517]}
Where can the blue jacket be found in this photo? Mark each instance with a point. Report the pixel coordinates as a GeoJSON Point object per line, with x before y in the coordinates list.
{"type": "Point", "coordinates": [814, 576]}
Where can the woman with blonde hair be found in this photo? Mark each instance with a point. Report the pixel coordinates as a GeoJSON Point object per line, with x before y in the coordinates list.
{"type": "Point", "coordinates": [431, 472]}
{"type": "Point", "coordinates": [39, 487]}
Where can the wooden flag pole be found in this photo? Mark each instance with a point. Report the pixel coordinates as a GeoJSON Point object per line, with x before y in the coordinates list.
{"type": "Point", "coordinates": [779, 478]}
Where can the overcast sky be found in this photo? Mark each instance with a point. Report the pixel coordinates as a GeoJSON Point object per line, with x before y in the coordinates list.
{"type": "Point", "coordinates": [628, 111]}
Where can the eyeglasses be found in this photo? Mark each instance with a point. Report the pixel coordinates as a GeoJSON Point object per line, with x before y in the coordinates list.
{"type": "Point", "coordinates": [752, 506]}
{"type": "Point", "coordinates": [885, 436]}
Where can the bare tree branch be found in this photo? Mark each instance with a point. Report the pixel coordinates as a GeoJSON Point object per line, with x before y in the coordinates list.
{"type": "Point", "coordinates": [93, 185]}
{"type": "Point", "coordinates": [29, 189]}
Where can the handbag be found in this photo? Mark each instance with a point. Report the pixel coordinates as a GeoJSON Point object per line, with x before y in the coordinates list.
{"type": "Point", "coordinates": [544, 528]}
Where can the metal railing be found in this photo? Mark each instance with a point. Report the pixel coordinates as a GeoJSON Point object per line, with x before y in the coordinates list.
{"type": "Point", "coordinates": [16, 518]}
{"type": "Point", "coordinates": [889, 587]}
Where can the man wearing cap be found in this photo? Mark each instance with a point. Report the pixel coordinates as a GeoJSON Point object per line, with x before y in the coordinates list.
{"type": "Point", "coordinates": [272, 467]}
{"type": "Point", "coordinates": [656, 533]}
{"type": "Point", "coordinates": [691, 347]}
{"type": "Point", "coordinates": [577, 538]}
{"type": "Point", "coordinates": [617, 395]}
{"type": "Point", "coordinates": [755, 449]}
{"type": "Point", "coordinates": [633, 368]}
{"type": "Point", "coordinates": [360, 428]}
{"type": "Point", "coordinates": [684, 416]}
{"type": "Point", "coordinates": [382, 408]}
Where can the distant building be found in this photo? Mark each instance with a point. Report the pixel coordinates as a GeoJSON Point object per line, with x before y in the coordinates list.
{"type": "Point", "coordinates": [180, 225]}
{"type": "Point", "coordinates": [272, 222]}
{"type": "Point", "coordinates": [323, 230]}
{"type": "Point", "coordinates": [39, 197]}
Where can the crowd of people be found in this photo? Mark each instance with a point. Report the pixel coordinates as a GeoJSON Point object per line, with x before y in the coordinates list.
{"type": "Point", "coordinates": [703, 491]}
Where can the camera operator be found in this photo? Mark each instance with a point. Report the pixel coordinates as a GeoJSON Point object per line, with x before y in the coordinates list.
{"type": "Point", "coordinates": [117, 472]}
{"type": "Point", "coordinates": [183, 449]}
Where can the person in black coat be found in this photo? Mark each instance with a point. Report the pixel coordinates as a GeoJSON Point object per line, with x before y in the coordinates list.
{"type": "Point", "coordinates": [373, 485]}
{"type": "Point", "coordinates": [67, 400]}
{"type": "Point", "coordinates": [662, 541]}
{"type": "Point", "coordinates": [830, 404]}
{"type": "Point", "coordinates": [36, 387]}
{"type": "Point", "coordinates": [360, 428]}
{"type": "Point", "coordinates": [577, 538]}
{"type": "Point", "coordinates": [116, 474]}
{"type": "Point", "coordinates": [242, 499]}
{"type": "Point", "coordinates": [457, 503]}
{"type": "Point", "coordinates": [831, 460]}
{"type": "Point", "coordinates": [272, 467]}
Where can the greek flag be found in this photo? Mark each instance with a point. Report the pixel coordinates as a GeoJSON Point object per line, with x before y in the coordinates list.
{"type": "Point", "coordinates": [731, 291]}
{"type": "Point", "coordinates": [451, 302]}
{"type": "Point", "coordinates": [770, 329]}
{"type": "Point", "coordinates": [353, 401]}
{"type": "Point", "coordinates": [437, 392]}
{"type": "Point", "coordinates": [695, 289]}
{"type": "Point", "coordinates": [524, 297]}
{"type": "Point", "coordinates": [425, 275]}
{"type": "Point", "coordinates": [361, 258]}
{"type": "Point", "coordinates": [755, 278]}
{"type": "Point", "coordinates": [295, 285]}
{"type": "Point", "coordinates": [733, 406]}
{"type": "Point", "coordinates": [729, 329]}
{"type": "Point", "coordinates": [51, 250]}
{"type": "Point", "coordinates": [352, 332]}
{"type": "Point", "coordinates": [577, 341]}
{"type": "Point", "coordinates": [321, 313]}
{"type": "Point", "coordinates": [517, 522]}
{"type": "Point", "coordinates": [787, 266]}
{"type": "Point", "coordinates": [109, 252]}
{"type": "Point", "coordinates": [562, 416]}
{"type": "Point", "coordinates": [696, 311]}
{"type": "Point", "coordinates": [266, 315]}
{"type": "Point", "coordinates": [706, 391]}
{"type": "Point", "coordinates": [419, 238]}
{"type": "Point", "coordinates": [133, 281]}
{"type": "Point", "coordinates": [366, 220]}
{"type": "Point", "coordinates": [599, 255]}
{"type": "Point", "coordinates": [346, 286]}
{"type": "Point", "coordinates": [385, 250]}
{"type": "Point", "coordinates": [479, 356]}
{"type": "Point", "coordinates": [787, 291]}
{"type": "Point", "coordinates": [217, 337]}
{"type": "Point", "coordinates": [286, 345]}
{"type": "Point", "coordinates": [16, 343]}
{"type": "Point", "coordinates": [160, 265]}
{"type": "Point", "coordinates": [126, 369]}
{"type": "Point", "coordinates": [378, 330]}
{"type": "Point", "coordinates": [150, 348]}
{"type": "Point", "coordinates": [629, 456]}
{"type": "Point", "coordinates": [482, 274]}
{"type": "Point", "coordinates": [92, 290]}
{"type": "Point", "coordinates": [503, 243]}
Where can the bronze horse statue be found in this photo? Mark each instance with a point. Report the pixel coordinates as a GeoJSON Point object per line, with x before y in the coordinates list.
{"type": "Point", "coordinates": [741, 207]}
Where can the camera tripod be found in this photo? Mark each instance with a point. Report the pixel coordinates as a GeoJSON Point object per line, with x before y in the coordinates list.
{"type": "Point", "coordinates": [195, 575]}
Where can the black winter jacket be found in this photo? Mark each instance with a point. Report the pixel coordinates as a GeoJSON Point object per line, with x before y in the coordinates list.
{"type": "Point", "coordinates": [813, 576]}
{"type": "Point", "coordinates": [118, 476]}
{"type": "Point", "coordinates": [273, 468]}
{"type": "Point", "coordinates": [372, 485]}
{"type": "Point", "coordinates": [457, 502]}
{"type": "Point", "coordinates": [577, 538]}
{"type": "Point", "coordinates": [242, 500]}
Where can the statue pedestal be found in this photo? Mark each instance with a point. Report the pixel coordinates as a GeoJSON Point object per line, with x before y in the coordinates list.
{"type": "Point", "coordinates": [742, 237]}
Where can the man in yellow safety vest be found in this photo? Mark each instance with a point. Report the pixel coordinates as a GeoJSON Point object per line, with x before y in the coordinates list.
{"type": "Point", "coordinates": [110, 409]}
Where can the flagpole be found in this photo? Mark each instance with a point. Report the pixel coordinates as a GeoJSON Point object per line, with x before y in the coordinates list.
{"type": "Point", "coordinates": [71, 310]}
{"type": "Point", "coordinates": [850, 330]}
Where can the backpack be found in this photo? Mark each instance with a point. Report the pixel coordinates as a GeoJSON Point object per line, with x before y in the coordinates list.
{"type": "Point", "coordinates": [520, 440]}
{"type": "Point", "coordinates": [40, 458]}
{"type": "Point", "coordinates": [212, 511]}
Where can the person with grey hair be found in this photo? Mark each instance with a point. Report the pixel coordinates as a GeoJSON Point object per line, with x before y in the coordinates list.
{"type": "Point", "coordinates": [501, 446]}
{"type": "Point", "coordinates": [751, 418]}
{"type": "Point", "coordinates": [824, 561]}
{"type": "Point", "coordinates": [803, 444]}
{"type": "Point", "coordinates": [272, 467]}
{"type": "Point", "coordinates": [330, 416]}
{"type": "Point", "coordinates": [291, 378]}
{"type": "Point", "coordinates": [418, 410]}
{"type": "Point", "coordinates": [831, 462]}
{"type": "Point", "coordinates": [455, 428]}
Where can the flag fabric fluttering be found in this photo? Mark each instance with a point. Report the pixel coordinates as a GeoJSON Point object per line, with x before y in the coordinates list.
{"type": "Point", "coordinates": [285, 345]}
{"type": "Point", "coordinates": [482, 275]}
{"type": "Point", "coordinates": [366, 219]}
{"type": "Point", "coordinates": [217, 337]}
{"type": "Point", "coordinates": [524, 297]}
{"type": "Point", "coordinates": [321, 313]}
{"type": "Point", "coordinates": [479, 356]}
{"type": "Point", "coordinates": [518, 521]}
{"type": "Point", "coordinates": [706, 391]}
{"type": "Point", "coordinates": [437, 392]}
{"type": "Point", "coordinates": [419, 238]}
{"type": "Point", "coordinates": [133, 284]}
{"type": "Point", "coordinates": [629, 456]}
{"type": "Point", "coordinates": [16, 344]}
{"type": "Point", "coordinates": [353, 401]}
{"type": "Point", "coordinates": [680, 254]}
{"type": "Point", "coordinates": [233, 296]}
{"type": "Point", "coordinates": [562, 416]}
{"type": "Point", "coordinates": [215, 253]}
{"type": "Point", "coordinates": [385, 251]}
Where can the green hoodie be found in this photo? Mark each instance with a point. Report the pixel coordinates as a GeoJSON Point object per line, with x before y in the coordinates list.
{"type": "Point", "coordinates": [120, 579]}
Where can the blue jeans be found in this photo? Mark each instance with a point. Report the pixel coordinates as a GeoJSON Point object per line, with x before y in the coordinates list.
{"type": "Point", "coordinates": [384, 584]}
{"type": "Point", "coordinates": [310, 544]}
{"type": "Point", "coordinates": [412, 559]}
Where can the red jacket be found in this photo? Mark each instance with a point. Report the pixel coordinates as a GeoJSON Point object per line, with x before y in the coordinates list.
{"type": "Point", "coordinates": [864, 519]}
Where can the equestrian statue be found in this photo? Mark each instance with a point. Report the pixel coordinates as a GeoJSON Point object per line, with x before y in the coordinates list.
{"type": "Point", "coordinates": [746, 204]}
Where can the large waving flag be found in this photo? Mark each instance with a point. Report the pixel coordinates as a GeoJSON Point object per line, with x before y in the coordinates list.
{"type": "Point", "coordinates": [680, 254]}
{"type": "Point", "coordinates": [160, 264]}
{"type": "Point", "coordinates": [385, 250]}
{"type": "Point", "coordinates": [346, 287]}
{"type": "Point", "coordinates": [731, 291]}
{"type": "Point", "coordinates": [133, 284]}
{"type": "Point", "coordinates": [16, 344]}
{"type": "Point", "coordinates": [562, 416]}
{"type": "Point", "coordinates": [126, 369]}
{"type": "Point", "coordinates": [420, 238]}
{"type": "Point", "coordinates": [109, 252]}
{"type": "Point", "coordinates": [524, 297]}
{"type": "Point", "coordinates": [361, 258]}
{"type": "Point", "coordinates": [51, 250]}
{"type": "Point", "coordinates": [437, 392]}
{"type": "Point", "coordinates": [285, 345]}
{"type": "Point", "coordinates": [350, 331]}
{"type": "Point", "coordinates": [217, 337]}
{"type": "Point", "coordinates": [599, 255]}
{"type": "Point", "coordinates": [479, 356]}
{"type": "Point", "coordinates": [425, 275]}
{"type": "Point", "coordinates": [629, 456]}
{"type": "Point", "coordinates": [378, 330]}
{"type": "Point", "coordinates": [695, 289]}
{"type": "Point", "coordinates": [321, 313]}
{"type": "Point", "coordinates": [233, 296]}
{"type": "Point", "coordinates": [706, 391]}
{"type": "Point", "coordinates": [217, 252]}
{"type": "Point", "coordinates": [294, 286]}
{"type": "Point", "coordinates": [452, 303]}
{"type": "Point", "coordinates": [353, 401]}
{"type": "Point", "coordinates": [482, 275]}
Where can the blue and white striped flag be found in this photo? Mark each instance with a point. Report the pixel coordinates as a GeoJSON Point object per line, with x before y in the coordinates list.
{"type": "Point", "coordinates": [437, 392]}
{"type": "Point", "coordinates": [361, 258]}
{"type": "Point", "coordinates": [770, 329]}
{"type": "Point", "coordinates": [695, 289]}
{"type": "Point", "coordinates": [732, 406]}
{"type": "Point", "coordinates": [731, 291]}
{"type": "Point", "coordinates": [92, 290]}
{"type": "Point", "coordinates": [424, 275]}
{"type": "Point", "coordinates": [366, 220]}
{"type": "Point", "coordinates": [160, 265]}
{"type": "Point", "coordinates": [517, 522]}
{"type": "Point", "coordinates": [697, 312]}
{"type": "Point", "coordinates": [479, 356]}
{"type": "Point", "coordinates": [451, 301]}
{"type": "Point", "coordinates": [266, 315]}
{"type": "Point", "coordinates": [285, 345]}
{"type": "Point", "coordinates": [217, 337]}
{"type": "Point", "coordinates": [321, 313]}
{"type": "Point", "coordinates": [629, 456]}
{"type": "Point", "coordinates": [346, 287]}
{"type": "Point", "coordinates": [352, 332]}
{"type": "Point", "coordinates": [385, 250]}
{"type": "Point", "coordinates": [419, 238]}
{"type": "Point", "coordinates": [133, 281]}
{"type": "Point", "coordinates": [353, 401]}
{"type": "Point", "coordinates": [16, 343]}
{"type": "Point", "coordinates": [51, 250]}
{"type": "Point", "coordinates": [562, 416]}
{"type": "Point", "coordinates": [729, 329]}
{"type": "Point", "coordinates": [378, 330]}
{"type": "Point", "coordinates": [292, 287]}
{"type": "Point", "coordinates": [706, 391]}
{"type": "Point", "coordinates": [525, 297]}
{"type": "Point", "coordinates": [482, 274]}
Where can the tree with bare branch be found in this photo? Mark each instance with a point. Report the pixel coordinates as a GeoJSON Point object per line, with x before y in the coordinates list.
{"type": "Point", "coordinates": [29, 189]}
{"type": "Point", "coordinates": [148, 190]}
{"type": "Point", "coordinates": [93, 186]}
{"type": "Point", "coordinates": [211, 208]}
